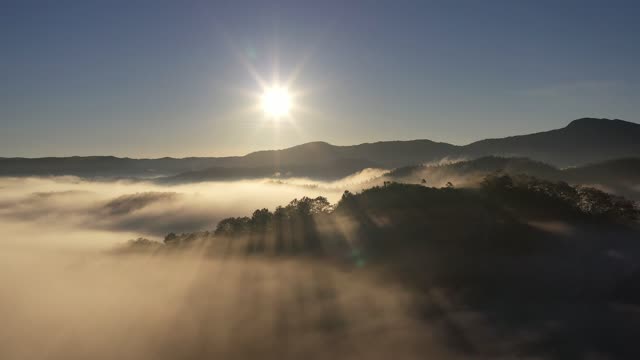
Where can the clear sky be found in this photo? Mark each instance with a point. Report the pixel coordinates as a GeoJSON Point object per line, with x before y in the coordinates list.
{"type": "Point", "coordinates": [159, 78]}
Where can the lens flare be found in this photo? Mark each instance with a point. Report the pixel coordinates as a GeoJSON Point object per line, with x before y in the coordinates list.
{"type": "Point", "coordinates": [276, 102]}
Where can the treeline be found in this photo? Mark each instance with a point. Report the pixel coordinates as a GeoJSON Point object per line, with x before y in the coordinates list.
{"type": "Point", "coordinates": [382, 217]}
{"type": "Point", "coordinates": [527, 195]}
{"type": "Point", "coordinates": [538, 197]}
{"type": "Point", "coordinates": [297, 211]}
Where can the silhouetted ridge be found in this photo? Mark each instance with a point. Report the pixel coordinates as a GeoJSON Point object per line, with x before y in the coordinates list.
{"type": "Point", "coordinates": [585, 140]}
{"type": "Point", "coordinates": [598, 122]}
{"type": "Point", "coordinates": [582, 141]}
{"type": "Point", "coordinates": [501, 205]}
{"type": "Point", "coordinates": [619, 176]}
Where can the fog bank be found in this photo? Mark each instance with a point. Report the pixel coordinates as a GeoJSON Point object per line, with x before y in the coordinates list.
{"type": "Point", "coordinates": [64, 295]}
{"type": "Point", "coordinates": [68, 210]}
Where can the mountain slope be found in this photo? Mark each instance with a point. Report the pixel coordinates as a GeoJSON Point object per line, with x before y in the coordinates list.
{"type": "Point", "coordinates": [583, 141]}
{"type": "Point", "coordinates": [620, 176]}
{"type": "Point", "coordinates": [98, 166]}
{"type": "Point", "coordinates": [384, 153]}
{"type": "Point", "coordinates": [328, 170]}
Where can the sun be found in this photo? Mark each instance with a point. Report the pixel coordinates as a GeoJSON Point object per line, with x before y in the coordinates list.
{"type": "Point", "coordinates": [276, 102]}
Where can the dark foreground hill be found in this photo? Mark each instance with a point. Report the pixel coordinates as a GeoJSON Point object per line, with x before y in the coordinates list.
{"type": "Point", "coordinates": [519, 266]}
{"type": "Point", "coordinates": [582, 141]}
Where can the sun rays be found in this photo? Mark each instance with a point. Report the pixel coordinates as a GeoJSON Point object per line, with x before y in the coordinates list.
{"type": "Point", "coordinates": [276, 102]}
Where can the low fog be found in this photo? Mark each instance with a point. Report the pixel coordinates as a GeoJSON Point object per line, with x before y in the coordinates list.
{"type": "Point", "coordinates": [61, 211]}
{"type": "Point", "coordinates": [449, 282]}
{"type": "Point", "coordinates": [65, 295]}
{"type": "Point", "coordinates": [100, 306]}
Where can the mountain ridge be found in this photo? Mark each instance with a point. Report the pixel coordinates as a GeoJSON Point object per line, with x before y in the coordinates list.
{"type": "Point", "coordinates": [582, 141]}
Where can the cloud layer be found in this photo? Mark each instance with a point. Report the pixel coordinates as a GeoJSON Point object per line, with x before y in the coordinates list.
{"type": "Point", "coordinates": [65, 298]}
{"type": "Point", "coordinates": [70, 205]}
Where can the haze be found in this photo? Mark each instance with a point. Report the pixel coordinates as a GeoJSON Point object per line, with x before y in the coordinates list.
{"type": "Point", "coordinates": [342, 180]}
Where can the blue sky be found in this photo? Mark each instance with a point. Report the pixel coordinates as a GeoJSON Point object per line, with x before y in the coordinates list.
{"type": "Point", "coordinates": [160, 78]}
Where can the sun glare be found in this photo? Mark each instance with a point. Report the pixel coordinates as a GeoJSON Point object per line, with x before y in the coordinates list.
{"type": "Point", "coordinates": [276, 102]}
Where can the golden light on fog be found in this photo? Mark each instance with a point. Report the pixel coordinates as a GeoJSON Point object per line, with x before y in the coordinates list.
{"type": "Point", "coordinates": [276, 102]}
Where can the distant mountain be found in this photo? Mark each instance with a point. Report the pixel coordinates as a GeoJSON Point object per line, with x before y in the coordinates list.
{"type": "Point", "coordinates": [391, 154]}
{"type": "Point", "coordinates": [325, 170]}
{"type": "Point", "coordinates": [626, 170]}
{"type": "Point", "coordinates": [471, 171]}
{"type": "Point", "coordinates": [620, 176]}
{"type": "Point", "coordinates": [101, 166]}
{"type": "Point", "coordinates": [583, 141]}
{"type": "Point", "coordinates": [381, 154]}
